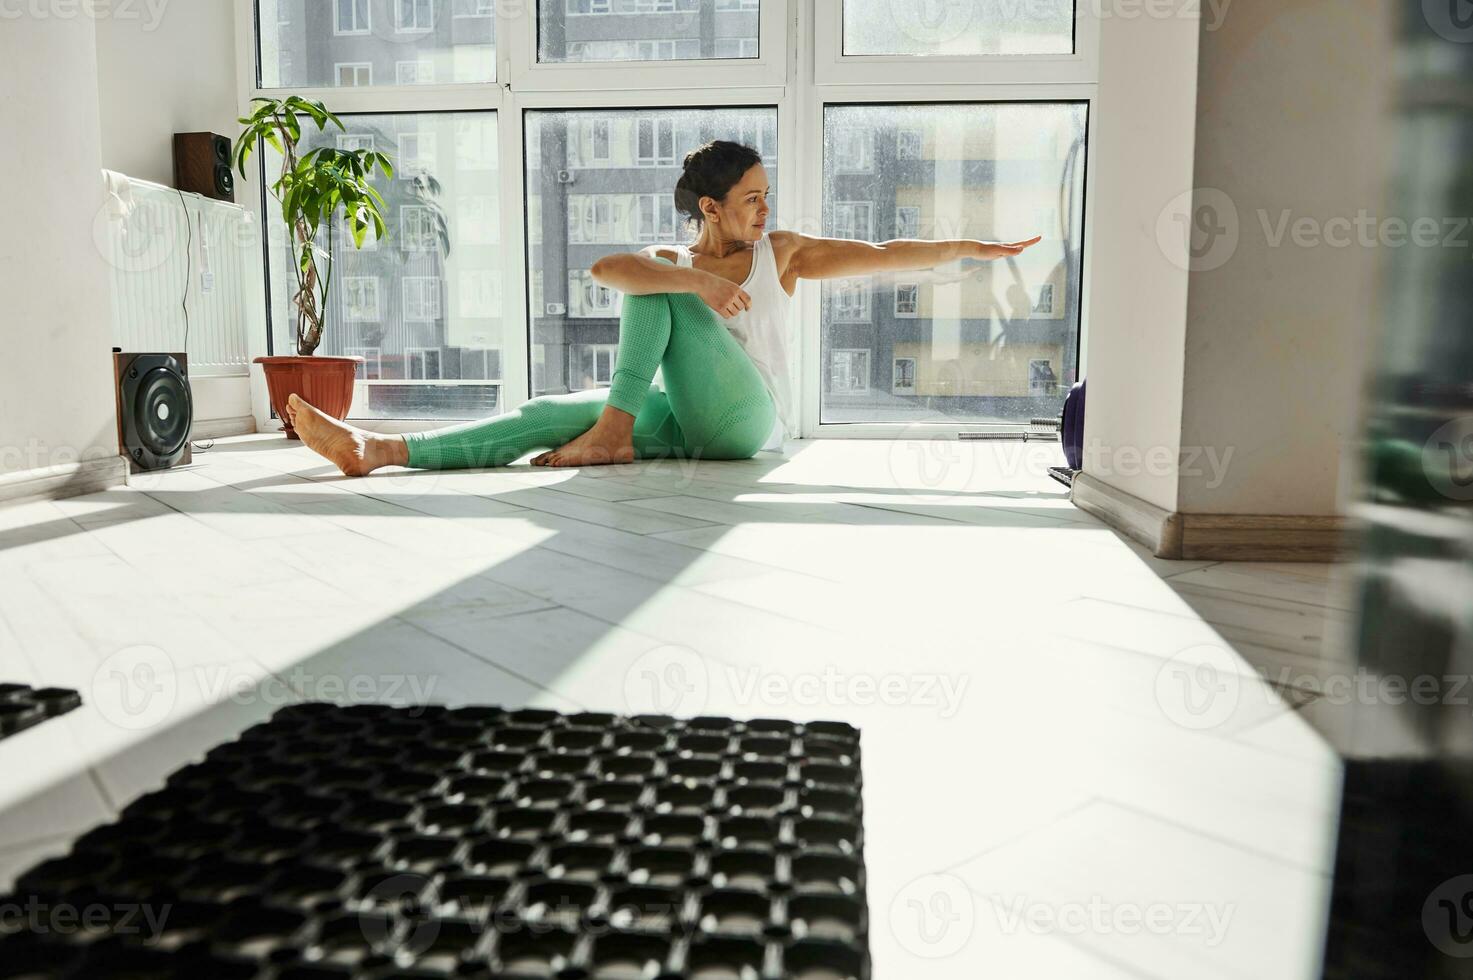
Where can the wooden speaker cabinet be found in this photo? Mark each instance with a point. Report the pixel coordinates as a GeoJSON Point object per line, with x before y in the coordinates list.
{"type": "Point", "coordinates": [202, 165]}
{"type": "Point", "coordinates": [155, 408]}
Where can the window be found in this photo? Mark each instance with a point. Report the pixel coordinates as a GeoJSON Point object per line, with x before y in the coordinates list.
{"type": "Point", "coordinates": [302, 51]}
{"type": "Point", "coordinates": [852, 150]}
{"type": "Point", "coordinates": [656, 218]}
{"type": "Point", "coordinates": [415, 72]}
{"type": "Point", "coordinates": [1045, 302]}
{"type": "Point", "coordinates": [588, 298]}
{"type": "Point", "coordinates": [591, 365]}
{"type": "Point", "coordinates": [907, 299]}
{"type": "Point", "coordinates": [908, 143]}
{"type": "Point", "coordinates": [988, 168]}
{"type": "Point", "coordinates": [480, 224]}
{"type": "Point", "coordinates": [854, 219]}
{"type": "Point", "coordinates": [723, 6]}
{"type": "Point", "coordinates": [849, 371]}
{"type": "Point", "coordinates": [598, 140]}
{"type": "Point", "coordinates": [907, 222]}
{"type": "Point", "coordinates": [418, 228]}
{"type": "Point", "coordinates": [350, 17]}
{"type": "Point", "coordinates": [1041, 377]}
{"type": "Point", "coordinates": [360, 298]}
{"type": "Point", "coordinates": [422, 363]}
{"type": "Point", "coordinates": [927, 27]}
{"type": "Point", "coordinates": [539, 369]}
{"type": "Point", "coordinates": [353, 73]}
{"type": "Point", "coordinates": [416, 155]}
{"type": "Point", "coordinates": [355, 141]}
{"type": "Point", "coordinates": [421, 298]}
{"type": "Point", "coordinates": [412, 16]}
{"type": "Point", "coordinates": [475, 146]}
{"type": "Point", "coordinates": [903, 376]}
{"type": "Point", "coordinates": [577, 213]}
{"type": "Point", "coordinates": [623, 29]}
{"type": "Point", "coordinates": [736, 47]}
{"type": "Point", "coordinates": [850, 299]}
{"type": "Point", "coordinates": [372, 367]}
{"type": "Point", "coordinates": [656, 143]}
{"type": "Point", "coordinates": [480, 293]}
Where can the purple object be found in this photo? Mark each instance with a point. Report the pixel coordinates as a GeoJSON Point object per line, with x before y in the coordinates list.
{"type": "Point", "coordinates": [1071, 429]}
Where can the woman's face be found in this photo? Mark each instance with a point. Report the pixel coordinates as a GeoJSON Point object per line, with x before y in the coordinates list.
{"type": "Point", "coordinates": [742, 216]}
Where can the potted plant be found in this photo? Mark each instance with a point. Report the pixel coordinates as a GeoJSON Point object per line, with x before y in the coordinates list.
{"type": "Point", "coordinates": [315, 190]}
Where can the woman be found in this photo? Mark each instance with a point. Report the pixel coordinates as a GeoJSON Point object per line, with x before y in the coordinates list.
{"type": "Point", "coordinates": [727, 392]}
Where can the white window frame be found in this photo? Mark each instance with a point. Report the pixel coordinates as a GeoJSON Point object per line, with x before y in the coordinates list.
{"type": "Point", "coordinates": [656, 122]}
{"type": "Point", "coordinates": [865, 285]}
{"type": "Point", "coordinates": [430, 286]}
{"type": "Point", "coordinates": [378, 306]}
{"type": "Point", "coordinates": [869, 223]}
{"type": "Point", "coordinates": [915, 302]}
{"type": "Point", "coordinates": [357, 66]}
{"type": "Point", "coordinates": [895, 387]}
{"type": "Point", "coordinates": [907, 207]}
{"type": "Point", "coordinates": [421, 67]}
{"type": "Point", "coordinates": [370, 355]}
{"type": "Point", "coordinates": [833, 67]}
{"type": "Point", "coordinates": [415, 28]}
{"type": "Point", "coordinates": [799, 72]}
{"type": "Point", "coordinates": [864, 376]}
{"type": "Point", "coordinates": [410, 353]}
{"type": "Point", "coordinates": [612, 350]}
{"type": "Point", "coordinates": [357, 29]}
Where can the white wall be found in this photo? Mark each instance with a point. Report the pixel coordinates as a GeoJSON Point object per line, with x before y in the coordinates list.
{"type": "Point", "coordinates": [56, 388]}
{"type": "Point", "coordinates": [164, 71]}
{"type": "Point", "coordinates": [1138, 288]}
{"type": "Point", "coordinates": [1290, 126]}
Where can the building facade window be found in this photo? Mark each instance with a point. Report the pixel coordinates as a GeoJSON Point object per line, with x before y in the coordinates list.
{"type": "Point", "coordinates": [655, 142]}
{"type": "Point", "coordinates": [360, 298]}
{"type": "Point", "coordinates": [414, 72]}
{"type": "Point", "coordinates": [350, 17]}
{"type": "Point", "coordinates": [371, 368]}
{"type": "Point", "coordinates": [414, 16]}
{"type": "Point", "coordinates": [353, 74]}
{"type": "Point", "coordinates": [849, 370]}
{"type": "Point", "coordinates": [851, 299]}
{"type": "Point", "coordinates": [907, 299]}
{"type": "Point", "coordinates": [421, 298]}
{"type": "Point", "coordinates": [903, 376]}
{"type": "Point", "coordinates": [854, 219]}
{"type": "Point", "coordinates": [907, 222]}
{"type": "Point", "coordinates": [591, 365]}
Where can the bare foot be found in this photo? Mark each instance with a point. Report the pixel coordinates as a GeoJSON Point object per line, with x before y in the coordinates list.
{"type": "Point", "coordinates": [352, 450]}
{"type": "Point", "coordinates": [609, 441]}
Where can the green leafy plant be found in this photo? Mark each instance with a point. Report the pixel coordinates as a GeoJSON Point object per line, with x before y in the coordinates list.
{"type": "Point", "coordinates": [313, 189]}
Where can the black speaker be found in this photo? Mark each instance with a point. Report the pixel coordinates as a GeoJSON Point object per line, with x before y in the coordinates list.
{"type": "Point", "coordinates": [155, 408]}
{"type": "Point", "coordinates": [202, 165]}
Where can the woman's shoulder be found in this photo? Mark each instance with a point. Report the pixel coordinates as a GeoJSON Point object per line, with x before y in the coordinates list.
{"type": "Point", "coordinates": [673, 253]}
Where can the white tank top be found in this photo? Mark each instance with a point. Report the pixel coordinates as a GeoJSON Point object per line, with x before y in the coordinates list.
{"type": "Point", "coordinates": [764, 334]}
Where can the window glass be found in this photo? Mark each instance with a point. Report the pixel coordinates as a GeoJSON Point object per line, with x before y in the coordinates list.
{"type": "Point", "coordinates": [646, 30]}
{"type": "Point", "coordinates": [958, 27]}
{"type": "Point", "coordinates": [971, 341]}
{"type": "Point", "coordinates": [600, 182]}
{"type": "Point", "coordinates": [312, 44]}
{"type": "Point", "coordinates": [426, 301]}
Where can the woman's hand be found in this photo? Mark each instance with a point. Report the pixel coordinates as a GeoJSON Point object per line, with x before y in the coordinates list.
{"type": "Point", "coordinates": [722, 295]}
{"type": "Point", "coordinates": [1001, 250]}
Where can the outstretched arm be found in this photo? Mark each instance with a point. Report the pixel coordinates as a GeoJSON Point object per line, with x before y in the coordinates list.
{"type": "Point", "coordinates": [641, 273]}
{"type": "Point", "coordinates": [831, 258]}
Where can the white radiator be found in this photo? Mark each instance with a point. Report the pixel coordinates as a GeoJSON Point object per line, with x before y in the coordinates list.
{"type": "Point", "coordinates": [182, 262]}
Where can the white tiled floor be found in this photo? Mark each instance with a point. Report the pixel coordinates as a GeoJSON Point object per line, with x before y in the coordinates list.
{"type": "Point", "coordinates": [1079, 760]}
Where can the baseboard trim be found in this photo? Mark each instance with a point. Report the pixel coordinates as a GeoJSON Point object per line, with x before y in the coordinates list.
{"type": "Point", "coordinates": [220, 428]}
{"type": "Point", "coordinates": [63, 480]}
{"type": "Point", "coordinates": [1215, 537]}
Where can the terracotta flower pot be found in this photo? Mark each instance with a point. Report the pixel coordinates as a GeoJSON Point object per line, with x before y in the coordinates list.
{"type": "Point", "coordinates": [326, 383]}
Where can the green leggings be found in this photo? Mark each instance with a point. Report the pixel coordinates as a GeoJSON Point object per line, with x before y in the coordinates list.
{"type": "Point", "coordinates": [714, 405]}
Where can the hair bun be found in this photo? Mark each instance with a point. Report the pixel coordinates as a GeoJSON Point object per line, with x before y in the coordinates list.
{"type": "Point", "coordinates": [711, 170]}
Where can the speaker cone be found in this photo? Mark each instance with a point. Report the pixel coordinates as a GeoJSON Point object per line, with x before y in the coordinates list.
{"type": "Point", "coordinates": [156, 409]}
